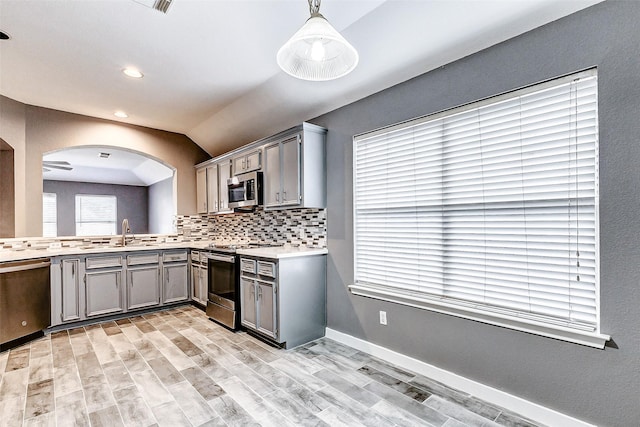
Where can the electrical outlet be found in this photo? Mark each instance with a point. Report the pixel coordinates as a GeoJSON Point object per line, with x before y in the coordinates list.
{"type": "Point", "coordinates": [383, 317]}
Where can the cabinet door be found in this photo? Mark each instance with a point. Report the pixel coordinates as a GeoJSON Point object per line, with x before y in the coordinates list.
{"type": "Point", "coordinates": [201, 190]}
{"type": "Point", "coordinates": [252, 161]}
{"type": "Point", "coordinates": [224, 173]}
{"type": "Point", "coordinates": [175, 283]}
{"type": "Point", "coordinates": [212, 188]}
{"type": "Point", "coordinates": [204, 284]}
{"type": "Point", "coordinates": [239, 164]}
{"type": "Point", "coordinates": [290, 171]}
{"type": "Point", "coordinates": [266, 309]}
{"type": "Point", "coordinates": [103, 292]}
{"type": "Point", "coordinates": [196, 294]}
{"type": "Point", "coordinates": [248, 303]}
{"type": "Point", "coordinates": [272, 175]}
{"type": "Point", "coordinates": [143, 284]}
{"type": "Point", "coordinates": [70, 290]}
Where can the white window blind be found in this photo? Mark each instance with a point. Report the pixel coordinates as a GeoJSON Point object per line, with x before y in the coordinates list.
{"type": "Point", "coordinates": [488, 211]}
{"type": "Point", "coordinates": [95, 215]}
{"type": "Point", "coordinates": [49, 215]}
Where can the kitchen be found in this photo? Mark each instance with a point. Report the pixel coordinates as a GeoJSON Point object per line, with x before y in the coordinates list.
{"type": "Point", "coordinates": [564, 377]}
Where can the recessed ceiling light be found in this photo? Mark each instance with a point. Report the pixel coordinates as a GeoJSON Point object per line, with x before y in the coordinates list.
{"type": "Point", "coordinates": [132, 72]}
{"type": "Point", "coordinates": [121, 114]}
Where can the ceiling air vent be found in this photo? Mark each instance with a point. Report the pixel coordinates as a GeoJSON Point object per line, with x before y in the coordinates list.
{"type": "Point", "coordinates": [161, 5]}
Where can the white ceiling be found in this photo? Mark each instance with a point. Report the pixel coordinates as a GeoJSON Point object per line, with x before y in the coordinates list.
{"type": "Point", "coordinates": [121, 167]}
{"type": "Point", "coordinates": [210, 67]}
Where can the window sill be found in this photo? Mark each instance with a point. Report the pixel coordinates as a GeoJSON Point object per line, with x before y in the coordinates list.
{"type": "Point", "coordinates": [587, 338]}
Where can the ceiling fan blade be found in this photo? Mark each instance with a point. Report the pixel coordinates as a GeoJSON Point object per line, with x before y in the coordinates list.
{"type": "Point", "coordinates": [56, 162]}
{"type": "Point", "coordinates": [64, 168]}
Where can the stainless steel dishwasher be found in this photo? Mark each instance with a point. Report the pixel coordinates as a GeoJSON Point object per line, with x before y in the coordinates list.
{"type": "Point", "coordinates": [25, 298]}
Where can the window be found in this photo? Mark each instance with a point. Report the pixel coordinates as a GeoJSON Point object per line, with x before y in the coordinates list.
{"type": "Point", "coordinates": [49, 215]}
{"type": "Point", "coordinates": [487, 211]}
{"type": "Point", "coordinates": [95, 215]}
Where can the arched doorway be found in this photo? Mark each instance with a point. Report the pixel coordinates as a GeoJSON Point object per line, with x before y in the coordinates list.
{"type": "Point", "coordinates": [132, 184]}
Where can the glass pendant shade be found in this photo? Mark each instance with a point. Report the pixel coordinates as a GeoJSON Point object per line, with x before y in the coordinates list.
{"type": "Point", "coordinates": [317, 52]}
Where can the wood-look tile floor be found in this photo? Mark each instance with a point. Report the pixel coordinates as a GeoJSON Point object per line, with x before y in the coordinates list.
{"type": "Point", "coordinates": [177, 368]}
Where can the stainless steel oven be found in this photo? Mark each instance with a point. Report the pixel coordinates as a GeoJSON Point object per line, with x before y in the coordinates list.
{"type": "Point", "coordinates": [223, 305]}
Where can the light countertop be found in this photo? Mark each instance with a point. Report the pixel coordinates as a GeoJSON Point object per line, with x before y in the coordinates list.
{"type": "Point", "coordinates": [278, 252]}
{"type": "Point", "coordinates": [7, 255]}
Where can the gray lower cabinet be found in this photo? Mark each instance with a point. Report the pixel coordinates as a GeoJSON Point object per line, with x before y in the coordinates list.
{"type": "Point", "coordinates": [176, 282]}
{"type": "Point", "coordinates": [284, 299]}
{"type": "Point", "coordinates": [199, 277]}
{"type": "Point", "coordinates": [259, 310]}
{"type": "Point", "coordinates": [248, 302]}
{"type": "Point", "coordinates": [143, 286]}
{"type": "Point", "coordinates": [70, 290]}
{"type": "Point", "coordinates": [266, 309]}
{"type": "Point", "coordinates": [103, 284]}
{"type": "Point", "coordinates": [104, 292]}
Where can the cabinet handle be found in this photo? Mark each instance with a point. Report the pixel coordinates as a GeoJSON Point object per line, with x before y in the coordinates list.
{"type": "Point", "coordinates": [284, 196]}
{"type": "Point", "coordinates": [259, 293]}
{"type": "Point", "coordinates": [277, 196]}
{"type": "Point", "coordinates": [73, 269]}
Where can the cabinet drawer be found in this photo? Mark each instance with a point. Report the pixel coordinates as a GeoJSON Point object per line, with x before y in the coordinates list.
{"type": "Point", "coordinates": [195, 256]}
{"type": "Point", "coordinates": [267, 269]}
{"type": "Point", "coordinates": [142, 259]}
{"type": "Point", "coordinates": [248, 265]}
{"type": "Point", "coordinates": [174, 256]}
{"type": "Point", "coordinates": [101, 262]}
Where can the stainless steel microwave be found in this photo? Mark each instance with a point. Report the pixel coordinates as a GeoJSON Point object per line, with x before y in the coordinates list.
{"type": "Point", "coordinates": [245, 190]}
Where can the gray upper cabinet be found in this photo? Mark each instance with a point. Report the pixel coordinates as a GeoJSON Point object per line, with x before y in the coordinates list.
{"type": "Point", "coordinates": [201, 191]}
{"type": "Point", "coordinates": [272, 183]}
{"type": "Point", "coordinates": [293, 163]}
{"type": "Point", "coordinates": [211, 187]}
{"type": "Point", "coordinates": [224, 173]}
{"type": "Point", "coordinates": [294, 169]}
{"type": "Point", "coordinates": [246, 162]}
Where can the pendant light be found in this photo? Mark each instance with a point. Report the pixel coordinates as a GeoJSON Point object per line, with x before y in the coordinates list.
{"type": "Point", "coordinates": [317, 52]}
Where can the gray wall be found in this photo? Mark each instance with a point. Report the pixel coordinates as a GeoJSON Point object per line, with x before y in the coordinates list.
{"type": "Point", "coordinates": [161, 207]}
{"type": "Point", "coordinates": [132, 203]}
{"type": "Point", "coordinates": [598, 386]}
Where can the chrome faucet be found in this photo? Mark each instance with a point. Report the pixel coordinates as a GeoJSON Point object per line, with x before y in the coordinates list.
{"type": "Point", "coordinates": [125, 230]}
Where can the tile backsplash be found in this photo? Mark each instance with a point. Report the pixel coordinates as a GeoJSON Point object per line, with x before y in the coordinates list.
{"type": "Point", "coordinates": [305, 227]}
{"type": "Point", "coordinates": [297, 227]}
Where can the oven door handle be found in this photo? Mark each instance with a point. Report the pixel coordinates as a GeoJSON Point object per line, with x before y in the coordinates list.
{"type": "Point", "coordinates": [223, 258]}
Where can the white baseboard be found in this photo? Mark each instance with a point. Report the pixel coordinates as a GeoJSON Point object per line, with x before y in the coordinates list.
{"type": "Point", "coordinates": [516, 404]}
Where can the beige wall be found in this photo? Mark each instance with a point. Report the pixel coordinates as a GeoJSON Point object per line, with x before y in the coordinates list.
{"type": "Point", "coordinates": [48, 130]}
{"type": "Point", "coordinates": [12, 131]}
{"type": "Point", "coordinates": [7, 192]}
